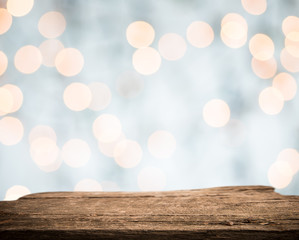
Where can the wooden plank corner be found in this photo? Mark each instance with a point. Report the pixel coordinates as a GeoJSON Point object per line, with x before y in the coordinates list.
{"type": "Point", "coordinates": [238, 212]}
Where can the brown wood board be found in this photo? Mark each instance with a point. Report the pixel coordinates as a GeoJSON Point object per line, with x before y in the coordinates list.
{"type": "Point", "coordinates": [239, 212]}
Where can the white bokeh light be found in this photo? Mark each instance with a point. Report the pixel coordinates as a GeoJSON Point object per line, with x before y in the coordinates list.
{"type": "Point", "coordinates": [289, 61]}
{"type": "Point", "coordinates": [172, 46]}
{"type": "Point", "coordinates": [17, 96]}
{"type": "Point", "coordinates": [76, 153]}
{"type": "Point", "coordinates": [49, 50]}
{"type": "Point", "coordinates": [161, 144]}
{"type": "Point", "coordinates": [146, 61]}
{"type": "Point", "coordinates": [261, 47]}
{"type": "Point", "coordinates": [6, 101]}
{"type": "Point", "coordinates": [280, 174]}
{"type": "Point", "coordinates": [69, 62]}
{"type": "Point", "coordinates": [77, 96]}
{"type": "Point", "coordinates": [234, 30]}
{"type": "Point", "coordinates": [19, 8]}
{"type": "Point", "coordinates": [6, 21]}
{"type": "Point", "coordinates": [286, 85]}
{"type": "Point", "coordinates": [11, 131]}
{"type": "Point", "coordinates": [51, 167]}
{"type": "Point", "coordinates": [44, 151]}
{"type": "Point", "coordinates": [3, 63]}
{"type": "Point", "coordinates": [40, 131]}
{"type": "Point", "coordinates": [127, 153]}
{"type": "Point", "coordinates": [216, 113]}
{"type": "Point", "coordinates": [28, 59]}
{"type": "Point", "coordinates": [264, 69]}
{"type": "Point", "coordinates": [271, 101]}
{"type": "Point", "coordinates": [200, 34]}
{"type": "Point", "coordinates": [107, 148]}
{"type": "Point", "coordinates": [291, 156]}
{"type": "Point", "coordinates": [106, 128]}
{"type": "Point", "coordinates": [140, 34]}
{"type": "Point", "coordinates": [255, 7]}
{"type": "Point", "coordinates": [52, 24]}
{"type": "Point", "coordinates": [15, 192]}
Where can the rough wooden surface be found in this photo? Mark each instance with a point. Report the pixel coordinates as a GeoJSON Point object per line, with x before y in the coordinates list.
{"type": "Point", "coordinates": [247, 212]}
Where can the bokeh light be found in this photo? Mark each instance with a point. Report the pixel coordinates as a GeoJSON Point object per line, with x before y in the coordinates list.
{"type": "Point", "coordinates": [129, 84]}
{"type": "Point", "coordinates": [5, 20]}
{"type": "Point", "coordinates": [88, 185]}
{"type": "Point", "coordinates": [236, 18]}
{"type": "Point", "coordinates": [161, 144]}
{"type": "Point", "coordinates": [44, 151]}
{"type": "Point", "coordinates": [77, 96]}
{"type": "Point", "coordinates": [53, 166]}
{"type": "Point", "coordinates": [106, 128]}
{"type": "Point", "coordinates": [6, 101]}
{"type": "Point", "coordinates": [290, 25]}
{"type": "Point", "coordinates": [280, 174]}
{"type": "Point", "coordinates": [271, 101]}
{"type": "Point", "coordinates": [76, 153]}
{"type": "Point", "coordinates": [255, 7]}
{"type": "Point", "coordinates": [264, 69]}
{"type": "Point", "coordinates": [3, 62]}
{"type": "Point", "coordinates": [291, 156]}
{"type": "Point", "coordinates": [200, 34]}
{"type": "Point", "coordinates": [151, 179]}
{"type": "Point", "coordinates": [28, 59]}
{"type": "Point", "coordinates": [51, 24]}
{"type": "Point", "coordinates": [286, 84]}
{"type": "Point", "coordinates": [101, 96]}
{"type": "Point", "coordinates": [216, 113]}
{"type": "Point", "coordinates": [11, 131]}
{"type": "Point", "coordinates": [261, 47]}
{"type": "Point", "coordinates": [146, 61]}
{"type": "Point", "coordinates": [42, 131]}
{"type": "Point", "coordinates": [172, 46]}
{"type": "Point", "coordinates": [43, 148]}
{"type": "Point", "coordinates": [140, 34]}
{"type": "Point", "coordinates": [290, 28]}
{"type": "Point", "coordinates": [107, 148]}
{"type": "Point", "coordinates": [127, 153]}
{"type": "Point", "coordinates": [19, 8]}
{"type": "Point", "coordinates": [126, 87]}
{"type": "Point", "coordinates": [17, 95]}
{"type": "Point", "coordinates": [49, 50]}
{"type": "Point", "coordinates": [232, 42]}
{"type": "Point", "coordinates": [291, 44]}
{"type": "Point", "coordinates": [15, 192]}
{"type": "Point", "coordinates": [289, 61]}
{"type": "Point", "coordinates": [234, 30]}
{"type": "Point", "coordinates": [69, 62]}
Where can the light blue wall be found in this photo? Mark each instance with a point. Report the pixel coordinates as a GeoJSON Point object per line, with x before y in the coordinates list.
{"type": "Point", "coordinates": [172, 98]}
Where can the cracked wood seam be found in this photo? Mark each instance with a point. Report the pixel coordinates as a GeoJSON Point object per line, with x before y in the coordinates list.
{"type": "Point", "coordinates": [239, 212]}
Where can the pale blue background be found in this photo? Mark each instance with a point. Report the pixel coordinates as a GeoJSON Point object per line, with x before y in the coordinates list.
{"type": "Point", "coordinates": [172, 99]}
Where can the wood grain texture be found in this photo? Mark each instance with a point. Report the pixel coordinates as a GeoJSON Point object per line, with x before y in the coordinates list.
{"type": "Point", "coordinates": [245, 212]}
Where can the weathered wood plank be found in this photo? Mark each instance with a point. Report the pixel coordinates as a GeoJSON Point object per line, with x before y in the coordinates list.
{"type": "Point", "coordinates": [244, 212]}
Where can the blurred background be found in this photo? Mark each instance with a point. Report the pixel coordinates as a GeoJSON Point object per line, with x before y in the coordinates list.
{"type": "Point", "coordinates": [148, 95]}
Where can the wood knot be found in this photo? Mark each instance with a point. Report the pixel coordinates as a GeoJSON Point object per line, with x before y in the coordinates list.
{"type": "Point", "coordinates": [228, 223]}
